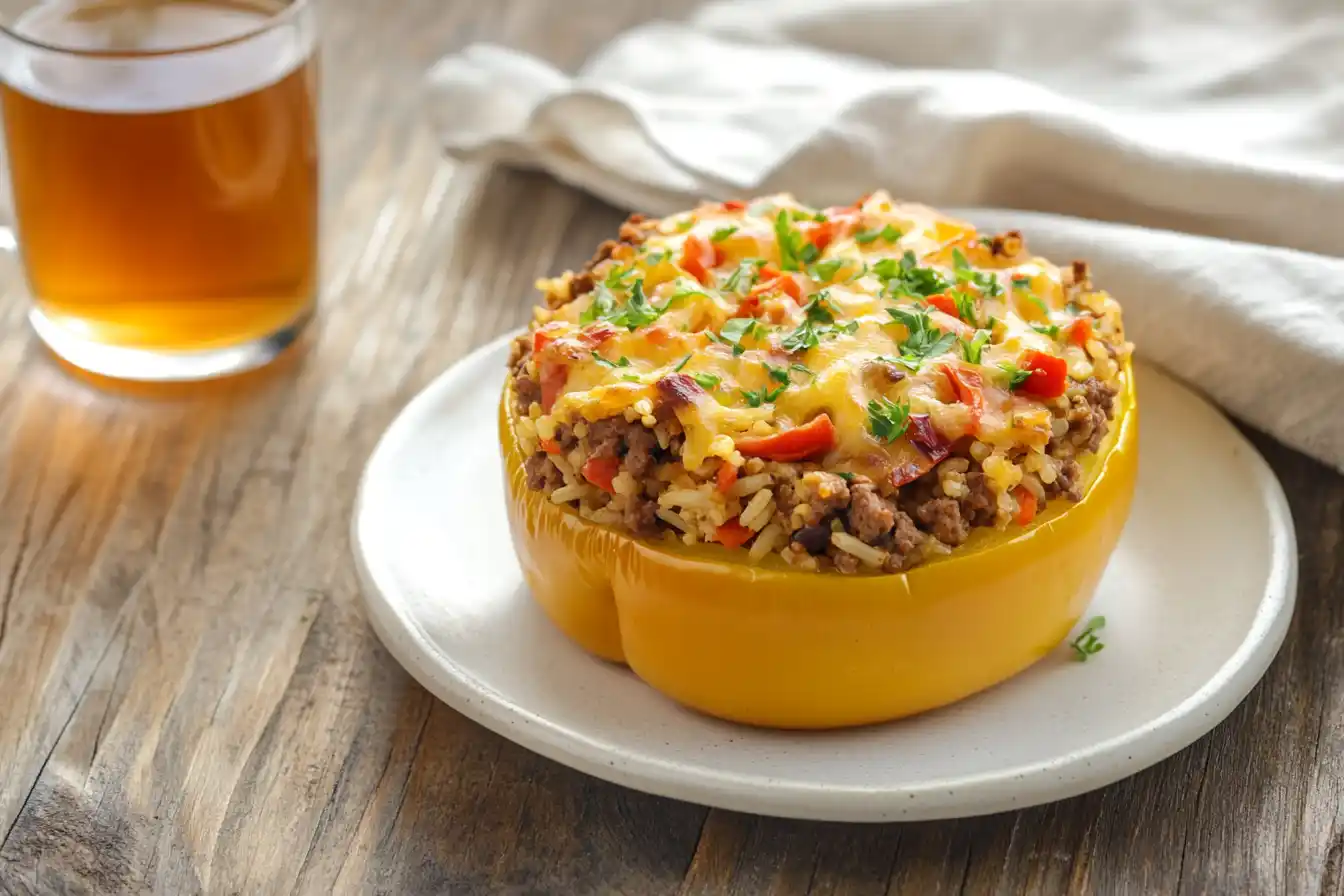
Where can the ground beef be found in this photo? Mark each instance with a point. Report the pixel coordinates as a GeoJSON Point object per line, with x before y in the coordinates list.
{"type": "Point", "coordinates": [525, 391]}
{"type": "Point", "coordinates": [1068, 481]}
{"type": "Point", "coordinates": [1088, 417]}
{"type": "Point", "coordinates": [871, 516]}
{"type": "Point", "coordinates": [616, 437]}
{"type": "Point", "coordinates": [541, 473]}
{"type": "Point", "coordinates": [605, 437]}
{"type": "Point", "coordinates": [641, 516]}
{"type": "Point", "coordinates": [635, 228]}
{"type": "Point", "coordinates": [943, 518]}
{"type": "Point", "coordinates": [978, 507]}
{"type": "Point", "coordinates": [845, 563]}
{"type": "Point", "coordinates": [905, 535]}
{"type": "Point", "coordinates": [640, 445]}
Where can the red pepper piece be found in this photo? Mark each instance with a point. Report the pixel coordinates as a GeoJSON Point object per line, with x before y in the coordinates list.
{"type": "Point", "coordinates": [811, 440]}
{"type": "Point", "coordinates": [1049, 375]}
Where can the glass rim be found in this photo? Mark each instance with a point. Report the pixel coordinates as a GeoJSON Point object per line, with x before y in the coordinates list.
{"type": "Point", "coordinates": [293, 9]}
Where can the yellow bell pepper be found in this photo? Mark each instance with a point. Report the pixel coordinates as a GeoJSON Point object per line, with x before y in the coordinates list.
{"type": "Point", "coordinates": [772, 646]}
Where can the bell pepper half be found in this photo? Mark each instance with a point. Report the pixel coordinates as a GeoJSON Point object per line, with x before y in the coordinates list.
{"type": "Point", "coordinates": [772, 646]}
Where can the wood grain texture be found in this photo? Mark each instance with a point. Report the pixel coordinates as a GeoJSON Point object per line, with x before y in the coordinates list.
{"type": "Point", "coordinates": [193, 701]}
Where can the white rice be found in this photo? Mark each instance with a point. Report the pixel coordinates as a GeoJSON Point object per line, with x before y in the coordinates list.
{"type": "Point", "coordinates": [765, 542]}
{"type": "Point", "coordinates": [758, 510]}
{"type": "Point", "coordinates": [672, 518]}
{"type": "Point", "coordinates": [686, 499]}
{"type": "Point", "coordinates": [749, 485]}
{"type": "Point", "coordinates": [867, 554]}
{"type": "Point", "coordinates": [566, 493]}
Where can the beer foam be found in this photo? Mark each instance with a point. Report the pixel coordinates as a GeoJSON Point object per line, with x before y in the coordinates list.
{"type": "Point", "coordinates": [164, 83]}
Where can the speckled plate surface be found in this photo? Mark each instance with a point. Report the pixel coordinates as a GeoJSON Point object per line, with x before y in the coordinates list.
{"type": "Point", "coordinates": [1197, 599]}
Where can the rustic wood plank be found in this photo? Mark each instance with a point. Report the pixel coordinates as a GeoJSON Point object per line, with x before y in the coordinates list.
{"type": "Point", "coordinates": [193, 701]}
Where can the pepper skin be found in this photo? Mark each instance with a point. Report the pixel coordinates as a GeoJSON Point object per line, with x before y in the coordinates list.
{"type": "Point", "coordinates": [771, 646]}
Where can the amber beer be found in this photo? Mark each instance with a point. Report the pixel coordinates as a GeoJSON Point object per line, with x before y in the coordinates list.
{"type": "Point", "coordinates": [163, 161]}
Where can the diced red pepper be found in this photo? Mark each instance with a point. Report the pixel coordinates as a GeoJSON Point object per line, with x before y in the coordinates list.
{"type": "Point", "coordinates": [969, 386]}
{"type": "Point", "coordinates": [768, 272]}
{"type": "Point", "coordinates": [553, 378]}
{"type": "Point", "coordinates": [1080, 331]}
{"type": "Point", "coordinates": [544, 336]}
{"type": "Point", "coordinates": [944, 303]}
{"type": "Point", "coordinates": [820, 233]}
{"type": "Point", "coordinates": [550, 446]}
{"type": "Point", "coordinates": [785, 283]}
{"type": "Point", "coordinates": [595, 334]}
{"type": "Point", "coordinates": [601, 470]}
{"type": "Point", "coordinates": [811, 440]}
{"type": "Point", "coordinates": [726, 476]}
{"type": "Point", "coordinates": [733, 205]}
{"type": "Point", "coordinates": [699, 257]}
{"type": "Point", "coordinates": [1026, 505]}
{"type": "Point", "coordinates": [733, 534]}
{"type": "Point", "coordinates": [1049, 375]}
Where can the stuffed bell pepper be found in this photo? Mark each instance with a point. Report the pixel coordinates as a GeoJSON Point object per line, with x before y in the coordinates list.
{"type": "Point", "coordinates": [809, 468]}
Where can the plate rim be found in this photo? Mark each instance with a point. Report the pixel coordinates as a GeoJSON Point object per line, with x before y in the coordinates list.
{"type": "Point", "coordinates": [1016, 787]}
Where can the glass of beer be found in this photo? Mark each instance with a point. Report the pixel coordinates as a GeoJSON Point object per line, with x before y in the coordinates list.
{"type": "Point", "coordinates": [163, 167]}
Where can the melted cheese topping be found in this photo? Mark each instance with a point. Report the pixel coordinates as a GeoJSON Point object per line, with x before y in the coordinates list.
{"type": "Point", "coordinates": [782, 313]}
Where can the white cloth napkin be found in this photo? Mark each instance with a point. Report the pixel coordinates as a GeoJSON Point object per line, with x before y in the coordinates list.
{"type": "Point", "coordinates": [1211, 120]}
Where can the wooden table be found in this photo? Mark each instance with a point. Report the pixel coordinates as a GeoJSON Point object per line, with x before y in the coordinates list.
{"type": "Point", "coordinates": [192, 701]}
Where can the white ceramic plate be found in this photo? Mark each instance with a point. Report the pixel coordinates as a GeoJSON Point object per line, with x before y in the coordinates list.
{"type": "Point", "coordinates": [1196, 598]}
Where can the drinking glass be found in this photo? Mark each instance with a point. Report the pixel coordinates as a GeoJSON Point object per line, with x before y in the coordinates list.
{"type": "Point", "coordinates": [164, 177]}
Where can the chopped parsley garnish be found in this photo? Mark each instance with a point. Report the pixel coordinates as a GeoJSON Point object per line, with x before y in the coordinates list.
{"type": "Point", "coordinates": [971, 349]}
{"type": "Point", "coordinates": [734, 330]}
{"type": "Point", "coordinates": [987, 242]}
{"type": "Point", "coordinates": [636, 312]}
{"type": "Point", "coordinates": [761, 396]}
{"type": "Point", "coordinates": [655, 257]}
{"type": "Point", "coordinates": [616, 277]}
{"type": "Point", "coordinates": [906, 278]}
{"type": "Point", "coordinates": [1047, 330]}
{"type": "Point", "coordinates": [722, 233]}
{"type": "Point", "coordinates": [925, 340]}
{"type": "Point", "coordinates": [819, 309]}
{"type": "Point", "coordinates": [623, 362]}
{"type": "Point", "coordinates": [987, 282]}
{"type": "Point", "coordinates": [707, 381]}
{"type": "Point", "coordinates": [602, 305]}
{"type": "Point", "coordinates": [801, 368]}
{"type": "Point", "coordinates": [848, 477]}
{"type": "Point", "coordinates": [794, 249]}
{"type": "Point", "coordinates": [630, 378]}
{"type": "Point", "coordinates": [1016, 375]}
{"type": "Point", "coordinates": [1024, 284]}
{"type": "Point", "coordinates": [751, 269]}
{"type": "Point", "coordinates": [965, 305]}
{"type": "Point", "coordinates": [682, 294]}
{"type": "Point", "coordinates": [888, 420]}
{"type": "Point", "coordinates": [802, 339]}
{"type": "Point", "coordinates": [778, 374]}
{"type": "Point", "coordinates": [686, 223]}
{"type": "Point", "coordinates": [682, 364]}
{"type": "Point", "coordinates": [1087, 643]}
{"type": "Point", "coordinates": [889, 234]}
{"type": "Point", "coordinates": [825, 271]}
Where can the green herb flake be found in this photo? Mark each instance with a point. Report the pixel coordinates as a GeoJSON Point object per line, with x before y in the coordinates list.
{"type": "Point", "coordinates": [905, 277]}
{"type": "Point", "coordinates": [682, 364]}
{"type": "Point", "coordinates": [722, 233]}
{"type": "Point", "coordinates": [986, 282]}
{"type": "Point", "coordinates": [707, 381]}
{"type": "Point", "coordinates": [623, 362]}
{"type": "Point", "coordinates": [825, 271]}
{"type": "Point", "coordinates": [778, 374]}
{"type": "Point", "coordinates": [965, 305]}
{"type": "Point", "coordinates": [802, 368]}
{"type": "Point", "coordinates": [794, 249]}
{"type": "Point", "coordinates": [761, 396]}
{"type": "Point", "coordinates": [630, 378]}
{"type": "Point", "coordinates": [601, 307]}
{"type": "Point", "coordinates": [1016, 375]}
{"type": "Point", "coordinates": [888, 234]}
{"type": "Point", "coordinates": [924, 340]}
{"type": "Point", "coordinates": [750, 269]}
{"type": "Point", "coordinates": [973, 348]}
{"type": "Point", "coordinates": [887, 420]}
{"type": "Point", "coordinates": [636, 312]}
{"type": "Point", "coordinates": [1046, 330]}
{"type": "Point", "coordinates": [848, 477]}
{"type": "Point", "coordinates": [1087, 643]}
